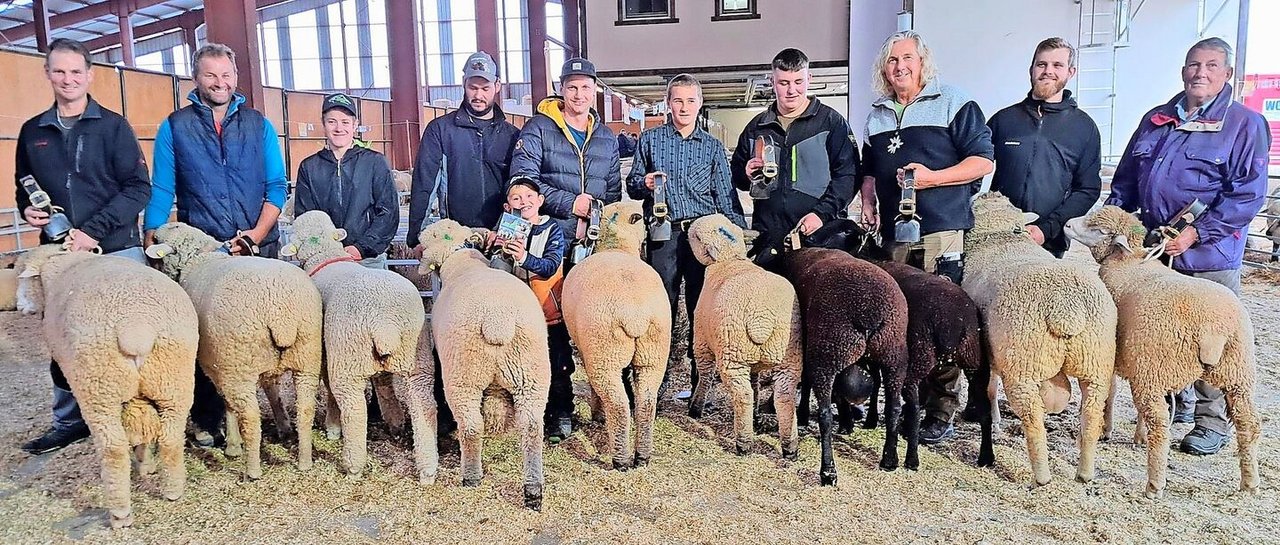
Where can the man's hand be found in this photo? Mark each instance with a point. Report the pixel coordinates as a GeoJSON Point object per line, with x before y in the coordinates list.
{"type": "Point", "coordinates": [870, 217]}
{"type": "Point", "coordinates": [514, 248]}
{"type": "Point", "coordinates": [352, 251]}
{"type": "Point", "coordinates": [1036, 234]}
{"type": "Point", "coordinates": [80, 242]}
{"type": "Point", "coordinates": [925, 178]}
{"type": "Point", "coordinates": [649, 179]}
{"type": "Point", "coordinates": [810, 223]}
{"type": "Point", "coordinates": [417, 252]}
{"type": "Point", "coordinates": [35, 216]}
{"type": "Point", "coordinates": [582, 205]}
{"type": "Point", "coordinates": [1183, 242]}
{"type": "Point", "coordinates": [753, 166]}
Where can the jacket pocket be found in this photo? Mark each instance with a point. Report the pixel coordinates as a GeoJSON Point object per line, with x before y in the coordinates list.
{"type": "Point", "coordinates": [1205, 168]}
{"type": "Point", "coordinates": [811, 166]}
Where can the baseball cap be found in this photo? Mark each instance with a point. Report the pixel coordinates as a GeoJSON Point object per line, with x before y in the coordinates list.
{"type": "Point", "coordinates": [524, 181]}
{"type": "Point", "coordinates": [577, 66]}
{"type": "Point", "coordinates": [480, 65]}
{"type": "Point", "coordinates": [340, 100]}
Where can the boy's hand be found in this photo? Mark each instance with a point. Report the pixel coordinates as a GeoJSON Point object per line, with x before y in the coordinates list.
{"type": "Point", "coordinates": [515, 249]}
{"type": "Point", "coordinates": [648, 179]}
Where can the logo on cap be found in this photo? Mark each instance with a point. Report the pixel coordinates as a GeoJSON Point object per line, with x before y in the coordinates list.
{"type": "Point", "coordinates": [340, 99]}
{"type": "Point", "coordinates": [478, 65]}
{"type": "Point", "coordinates": [577, 66]}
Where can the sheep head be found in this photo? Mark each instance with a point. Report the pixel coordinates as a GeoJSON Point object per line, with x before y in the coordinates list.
{"type": "Point", "coordinates": [994, 217]}
{"type": "Point", "coordinates": [1107, 231]}
{"type": "Point", "coordinates": [177, 244]}
{"type": "Point", "coordinates": [440, 240]}
{"type": "Point", "coordinates": [622, 227]}
{"type": "Point", "coordinates": [314, 236]}
{"type": "Point", "coordinates": [30, 291]}
{"type": "Point", "coordinates": [715, 239]}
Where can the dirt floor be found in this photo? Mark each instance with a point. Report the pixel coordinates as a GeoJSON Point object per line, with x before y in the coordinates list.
{"type": "Point", "coordinates": [694, 491]}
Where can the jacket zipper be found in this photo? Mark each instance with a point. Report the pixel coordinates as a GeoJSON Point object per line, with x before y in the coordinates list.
{"type": "Point", "coordinates": [339, 181]}
{"type": "Point", "coordinates": [71, 200]}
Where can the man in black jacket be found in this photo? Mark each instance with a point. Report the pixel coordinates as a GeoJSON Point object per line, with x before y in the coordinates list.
{"type": "Point", "coordinates": [1048, 152]}
{"type": "Point", "coordinates": [352, 184]}
{"type": "Point", "coordinates": [817, 157]}
{"type": "Point", "coordinates": [87, 159]}
{"type": "Point", "coordinates": [469, 152]}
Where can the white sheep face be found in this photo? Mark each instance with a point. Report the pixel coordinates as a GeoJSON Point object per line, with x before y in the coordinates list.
{"type": "Point", "coordinates": [314, 234]}
{"type": "Point", "coordinates": [1106, 231]}
{"type": "Point", "coordinates": [714, 239]}
{"type": "Point", "coordinates": [440, 240]}
{"type": "Point", "coordinates": [176, 244]}
{"type": "Point", "coordinates": [623, 225]}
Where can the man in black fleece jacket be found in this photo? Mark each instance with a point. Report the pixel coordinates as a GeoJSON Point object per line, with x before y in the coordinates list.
{"type": "Point", "coordinates": [1048, 152]}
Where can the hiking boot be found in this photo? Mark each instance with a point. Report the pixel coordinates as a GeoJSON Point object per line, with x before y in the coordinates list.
{"type": "Point", "coordinates": [1203, 442]}
{"type": "Point", "coordinates": [55, 439]}
{"type": "Point", "coordinates": [1188, 417]}
{"type": "Point", "coordinates": [559, 429]}
{"type": "Point", "coordinates": [934, 431]}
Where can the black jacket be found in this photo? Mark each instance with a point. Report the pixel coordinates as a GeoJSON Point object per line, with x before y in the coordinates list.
{"type": "Point", "coordinates": [1048, 158]}
{"type": "Point", "coordinates": [97, 174]}
{"type": "Point", "coordinates": [478, 153]}
{"type": "Point", "coordinates": [817, 168]}
{"type": "Point", "coordinates": [356, 192]}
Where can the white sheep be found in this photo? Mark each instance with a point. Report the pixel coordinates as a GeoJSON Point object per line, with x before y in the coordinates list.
{"type": "Point", "coordinates": [1173, 329]}
{"type": "Point", "coordinates": [618, 314]}
{"type": "Point", "coordinates": [1046, 319]}
{"type": "Point", "coordinates": [372, 320]}
{"type": "Point", "coordinates": [258, 318]}
{"type": "Point", "coordinates": [125, 336]}
{"type": "Point", "coordinates": [491, 336]}
{"type": "Point", "coordinates": [747, 321]}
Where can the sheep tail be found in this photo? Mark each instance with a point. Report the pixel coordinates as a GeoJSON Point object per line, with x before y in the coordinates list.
{"type": "Point", "coordinates": [498, 330]}
{"type": "Point", "coordinates": [136, 341]}
{"type": "Point", "coordinates": [1064, 316]}
{"type": "Point", "coordinates": [284, 332]}
{"type": "Point", "coordinates": [760, 324]}
{"type": "Point", "coordinates": [141, 422]}
{"type": "Point", "coordinates": [386, 339]}
{"type": "Point", "coordinates": [1212, 344]}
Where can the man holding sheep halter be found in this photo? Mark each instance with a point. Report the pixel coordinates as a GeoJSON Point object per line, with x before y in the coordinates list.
{"type": "Point", "coordinates": [1201, 145]}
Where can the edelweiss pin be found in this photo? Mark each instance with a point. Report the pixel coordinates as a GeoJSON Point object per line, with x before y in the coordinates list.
{"type": "Point", "coordinates": [895, 143]}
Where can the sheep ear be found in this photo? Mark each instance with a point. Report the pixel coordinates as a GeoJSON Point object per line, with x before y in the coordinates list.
{"type": "Point", "coordinates": [635, 218]}
{"type": "Point", "coordinates": [159, 250]}
{"type": "Point", "coordinates": [339, 234]}
{"type": "Point", "coordinates": [1029, 218]}
{"type": "Point", "coordinates": [29, 272]}
{"type": "Point", "coordinates": [1123, 242]}
{"type": "Point", "coordinates": [289, 250]}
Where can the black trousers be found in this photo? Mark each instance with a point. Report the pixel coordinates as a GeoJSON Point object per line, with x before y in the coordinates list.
{"type": "Point", "coordinates": [674, 261]}
{"type": "Point", "coordinates": [560, 399]}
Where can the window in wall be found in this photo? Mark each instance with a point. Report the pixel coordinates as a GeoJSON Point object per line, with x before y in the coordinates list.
{"type": "Point", "coordinates": [731, 10]}
{"type": "Point", "coordinates": [640, 12]}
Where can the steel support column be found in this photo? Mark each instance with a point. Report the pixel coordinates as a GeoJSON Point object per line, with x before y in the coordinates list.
{"type": "Point", "coordinates": [487, 31]}
{"type": "Point", "coordinates": [538, 50]}
{"type": "Point", "coordinates": [41, 16]}
{"type": "Point", "coordinates": [189, 36]}
{"type": "Point", "coordinates": [572, 27]}
{"type": "Point", "coordinates": [234, 23]}
{"type": "Point", "coordinates": [406, 99]}
{"type": "Point", "coordinates": [325, 42]}
{"type": "Point", "coordinates": [123, 9]}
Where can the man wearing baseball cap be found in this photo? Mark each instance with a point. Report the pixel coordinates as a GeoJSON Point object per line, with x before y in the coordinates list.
{"type": "Point", "coordinates": [573, 156]}
{"type": "Point", "coordinates": [350, 183]}
{"type": "Point", "coordinates": [466, 154]}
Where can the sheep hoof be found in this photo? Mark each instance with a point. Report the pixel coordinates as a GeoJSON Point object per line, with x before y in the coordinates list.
{"type": "Point", "coordinates": [845, 430]}
{"type": "Point", "coordinates": [333, 434]}
{"type": "Point", "coordinates": [254, 474]}
{"type": "Point", "coordinates": [1154, 493]}
{"type": "Point", "coordinates": [119, 521]}
{"type": "Point", "coordinates": [742, 449]}
{"type": "Point", "coordinates": [986, 459]}
{"type": "Point", "coordinates": [642, 461]}
{"type": "Point", "coordinates": [533, 496]}
{"type": "Point", "coordinates": [1084, 477]}
{"type": "Point", "coordinates": [791, 455]}
{"type": "Point", "coordinates": [234, 451]}
{"type": "Point", "coordinates": [911, 465]}
{"type": "Point", "coordinates": [827, 479]}
{"type": "Point", "coordinates": [471, 481]}
{"type": "Point", "coordinates": [621, 465]}
{"type": "Point", "coordinates": [889, 464]}
{"type": "Point", "coordinates": [304, 465]}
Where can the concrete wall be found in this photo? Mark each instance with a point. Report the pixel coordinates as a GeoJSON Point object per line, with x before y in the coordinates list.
{"type": "Point", "coordinates": [820, 29]}
{"type": "Point", "coordinates": [870, 22]}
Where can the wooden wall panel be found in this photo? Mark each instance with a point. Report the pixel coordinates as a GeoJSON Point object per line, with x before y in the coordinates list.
{"type": "Point", "coordinates": [373, 114]}
{"type": "Point", "coordinates": [8, 151]}
{"type": "Point", "coordinates": [106, 88]}
{"type": "Point", "coordinates": [149, 99]}
{"type": "Point", "coordinates": [185, 86]}
{"type": "Point", "coordinates": [304, 115]}
{"type": "Point", "coordinates": [300, 149]}
{"type": "Point", "coordinates": [26, 92]}
{"type": "Point", "coordinates": [274, 108]}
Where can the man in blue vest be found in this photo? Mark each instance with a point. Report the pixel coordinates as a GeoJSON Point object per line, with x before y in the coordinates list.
{"type": "Point", "coordinates": [222, 162]}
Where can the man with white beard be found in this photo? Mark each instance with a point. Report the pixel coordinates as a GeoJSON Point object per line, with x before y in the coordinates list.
{"type": "Point", "coordinates": [1047, 149]}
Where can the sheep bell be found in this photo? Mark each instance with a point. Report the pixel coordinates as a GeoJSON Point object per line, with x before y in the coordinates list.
{"type": "Point", "coordinates": [660, 224]}
{"type": "Point", "coordinates": [588, 233]}
{"type": "Point", "coordinates": [1182, 220]}
{"type": "Point", "coordinates": [766, 180]}
{"type": "Point", "coordinates": [906, 228]}
{"type": "Point", "coordinates": [59, 226]}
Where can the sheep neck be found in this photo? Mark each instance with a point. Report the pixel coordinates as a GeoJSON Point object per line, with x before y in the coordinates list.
{"type": "Point", "coordinates": [462, 262]}
{"type": "Point", "coordinates": [610, 241]}
{"type": "Point", "coordinates": [200, 259]}
{"type": "Point", "coordinates": [983, 241]}
{"type": "Point", "coordinates": [1121, 270]}
{"type": "Point", "coordinates": [326, 253]}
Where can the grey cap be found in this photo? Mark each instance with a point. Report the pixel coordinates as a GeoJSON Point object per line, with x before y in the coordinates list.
{"type": "Point", "coordinates": [480, 65]}
{"type": "Point", "coordinates": [577, 66]}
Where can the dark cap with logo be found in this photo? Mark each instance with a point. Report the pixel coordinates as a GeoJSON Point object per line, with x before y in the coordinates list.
{"type": "Point", "coordinates": [577, 66]}
{"type": "Point", "coordinates": [340, 100]}
{"type": "Point", "coordinates": [480, 65]}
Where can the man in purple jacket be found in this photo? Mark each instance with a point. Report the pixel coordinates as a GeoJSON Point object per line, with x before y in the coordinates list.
{"type": "Point", "coordinates": [1201, 145]}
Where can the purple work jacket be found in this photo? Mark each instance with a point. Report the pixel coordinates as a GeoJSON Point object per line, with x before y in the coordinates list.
{"type": "Point", "coordinates": [1219, 158]}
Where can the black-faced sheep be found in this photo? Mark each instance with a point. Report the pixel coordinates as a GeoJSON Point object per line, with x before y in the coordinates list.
{"type": "Point", "coordinates": [1173, 330]}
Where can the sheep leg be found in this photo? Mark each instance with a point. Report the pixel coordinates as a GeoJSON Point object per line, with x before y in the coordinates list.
{"type": "Point", "coordinates": [784, 404]}
{"type": "Point", "coordinates": [802, 408]}
{"type": "Point", "coordinates": [242, 407]}
{"type": "Point", "coordinates": [388, 403]}
{"type": "Point", "coordinates": [893, 386]}
{"type": "Point", "coordinates": [1245, 417]}
{"type": "Point", "coordinates": [529, 423]}
{"type": "Point", "coordinates": [172, 427]}
{"type": "Point", "coordinates": [737, 379]}
{"type": "Point", "coordinates": [415, 391]}
{"type": "Point", "coordinates": [647, 381]}
{"type": "Point", "coordinates": [1153, 416]}
{"type": "Point", "coordinates": [348, 393]}
{"type": "Point", "coordinates": [911, 401]}
{"type": "Point", "coordinates": [1024, 396]}
{"type": "Point", "coordinates": [107, 431]}
{"type": "Point", "coordinates": [235, 443]}
{"type": "Point", "coordinates": [993, 392]}
{"type": "Point", "coordinates": [617, 411]}
{"type": "Point", "coordinates": [306, 384]}
{"type": "Point", "coordinates": [698, 400]}
{"type": "Point", "coordinates": [145, 457]}
{"type": "Point", "coordinates": [1108, 413]}
{"type": "Point", "coordinates": [872, 418]}
{"type": "Point", "coordinates": [1093, 404]}
{"type": "Point", "coordinates": [278, 414]}
{"type": "Point", "coordinates": [332, 414]}
{"type": "Point", "coordinates": [466, 404]}
{"type": "Point", "coordinates": [827, 470]}
{"type": "Point", "coordinates": [978, 396]}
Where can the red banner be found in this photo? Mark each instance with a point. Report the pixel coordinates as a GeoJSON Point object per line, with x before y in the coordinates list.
{"type": "Point", "coordinates": [1262, 94]}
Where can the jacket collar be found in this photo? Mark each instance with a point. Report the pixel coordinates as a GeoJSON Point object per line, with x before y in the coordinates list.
{"type": "Point", "coordinates": [327, 154]}
{"type": "Point", "coordinates": [1068, 102]}
{"type": "Point", "coordinates": [932, 90]}
{"type": "Point", "coordinates": [770, 114]}
{"type": "Point", "coordinates": [553, 108]}
{"type": "Point", "coordinates": [91, 111]}
{"type": "Point", "coordinates": [463, 117]}
{"type": "Point", "coordinates": [1210, 120]}
{"type": "Point", "coordinates": [236, 100]}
